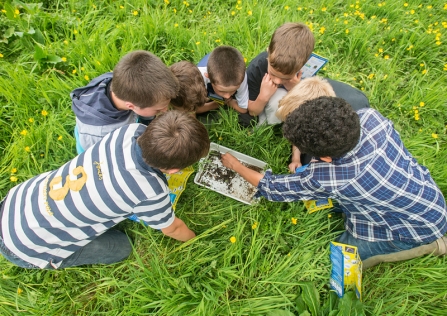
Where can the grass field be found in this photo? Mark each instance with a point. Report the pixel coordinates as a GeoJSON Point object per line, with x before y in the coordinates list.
{"type": "Point", "coordinates": [395, 51]}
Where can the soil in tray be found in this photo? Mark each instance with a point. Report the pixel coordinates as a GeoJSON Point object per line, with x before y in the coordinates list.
{"type": "Point", "coordinates": [223, 180]}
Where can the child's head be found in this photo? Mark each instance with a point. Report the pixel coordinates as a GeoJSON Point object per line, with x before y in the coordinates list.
{"type": "Point", "coordinates": [144, 82]}
{"type": "Point", "coordinates": [306, 89]}
{"type": "Point", "coordinates": [290, 48]}
{"type": "Point", "coordinates": [192, 93]}
{"type": "Point", "coordinates": [226, 70]}
{"type": "Point", "coordinates": [323, 127]}
{"type": "Point", "coordinates": [174, 140]}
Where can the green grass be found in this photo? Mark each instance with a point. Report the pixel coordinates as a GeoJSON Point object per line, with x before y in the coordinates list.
{"type": "Point", "coordinates": [394, 51]}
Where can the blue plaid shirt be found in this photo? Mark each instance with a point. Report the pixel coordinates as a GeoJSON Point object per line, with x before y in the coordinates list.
{"type": "Point", "coordinates": [384, 192]}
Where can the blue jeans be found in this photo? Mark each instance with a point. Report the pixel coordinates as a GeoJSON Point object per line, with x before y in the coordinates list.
{"type": "Point", "coordinates": [110, 247]}
{"type": "Point", "coordinates": [368, 249]}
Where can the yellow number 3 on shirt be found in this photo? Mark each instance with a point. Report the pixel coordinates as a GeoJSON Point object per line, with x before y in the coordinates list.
{"type": "Point", "coordinates": [74, 185]}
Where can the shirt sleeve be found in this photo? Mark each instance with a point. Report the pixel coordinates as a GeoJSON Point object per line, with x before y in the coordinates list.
{"type": "Point", "coordinates": [255, 72]}
{"type": "Point", "coordinates": [242, 94]}
{"type": "Point", "coordinates": [289, 188]}
{"type": "Point", "coordinates": [156, 211]}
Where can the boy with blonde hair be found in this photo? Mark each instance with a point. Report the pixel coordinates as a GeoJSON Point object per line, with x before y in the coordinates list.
{"type": "Point", "coordinates": [274, 72]}
{"type": "Point", "coordinates": [223, 72]}
{"type": "Point", "coordinates": [192, 94]}
{"type": "Point", "coordinates": [312, 88]}
{"type": "Point", "coordinates": [140, 86]}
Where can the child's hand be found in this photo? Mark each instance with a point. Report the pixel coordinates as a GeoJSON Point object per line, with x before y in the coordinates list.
{"type": "Point", "coordinates": [292, 82]}
{"type": "Point", "coordinates": [230, 161]}
{"type": "Point", "coordinates": [268, 87]}
{"type": "Point", "coordinates": [293, 165]}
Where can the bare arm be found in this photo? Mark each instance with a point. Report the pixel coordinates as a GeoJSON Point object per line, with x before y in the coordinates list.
{"type": "Point", "coordinates": [268, 88]}
{"type": "Point", "coordinates": [178, 230]}
{"type": "Point", "coordinates": [248, 174]}
{"type": "Point", "coordinates": [207, 107]}
{"type": "Point", "coordinates": [233, 104]}
{"type": "Point", "coordinates": [296, 159]}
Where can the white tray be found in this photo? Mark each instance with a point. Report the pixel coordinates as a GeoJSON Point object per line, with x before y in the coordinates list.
{"type": "Point", "coordinates": [212, 173]}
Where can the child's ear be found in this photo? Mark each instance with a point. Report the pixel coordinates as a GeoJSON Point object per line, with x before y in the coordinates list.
{"type": "Point", "coordinates": [129, 105]}
{"type": "Point", "coordinates": [206, 74]}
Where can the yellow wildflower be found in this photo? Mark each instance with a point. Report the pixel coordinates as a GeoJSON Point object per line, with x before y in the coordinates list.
{"type": "Point", "coordinates": [323, 9]}
{"type": "Point", "coordinates": [197, 43]}
{"type": "Point", "coordinates": [86, 77]}
{"type": "Point", "coordinates": [64, 59]}
{"type": "Point", "coordinates": [13, 179]}
{"type": "Point", "coordinates": [286, 7]}
{"type": "Point", "coordinates": [249, 12]}
{"type": "Point", "coordinates": [294, 220]}
{"type": "Point", "coordinates": [82, 68]}
{"type": "Point", "coordinates": [424, 71]}
{"type": "Point", "coordinates": [445, 67]}
{"type": "Point", "coordinates": [434, 135]}
{"type": "Point", "coordinates": [386, 57]}
{"type": "Point", "coordinates": [385, 76]}
{"type": "Point", "coordinates": [233, 13]}
{"type": "Point", "coordinates": [135, 12]}
{"type": "Point", "coordinates": [370, 76]}
{"type": "Point", "coordinates": [329, 215]}
{"type": "Point", "coordinates": [27, 149]}
{"type": "Point", "coordinates": [217, 41]}
{"type": "Point", "coordinates": [13, 170]}
{"type": "Point", "coordinates": [16, 12]}
{"type": "Point", "coordinates": [322, 29]}
{"type": "Point", "coordinates": [66, 42]}
{"type": "Point", "coordinates": [299, 8]}
{"type": "Point", "coordinates": [166, 1]}
{"type": "Point", "coordinates": [255, 225]}
{"type": "Point", "coordinates": [1, 55]}
{"type": "Point", "coordinates": [24, 132]}
{"type": "Point", "coordinates": [73, 71]}
{"type": "Point", "coordinates": [3, 10]}
{"type": "Point", "coordinates": [412, 12]}
{"type": "Point", "coordinates": [405, 4]}
{"type": "Point", "coordinates": [75, 31]}
{"type": "Point", "coordinates": [19, 291]}
{"type": "Point", "coordinates": [60, 137]}
{"type": "Point", "coordinates": [121, 7]}
{"type": "Point", "coordinates": [347, 31]}
{"type": "Point", "coordinates": [44, 113]}
{"type": "Point", "coordinates": [233, 239]}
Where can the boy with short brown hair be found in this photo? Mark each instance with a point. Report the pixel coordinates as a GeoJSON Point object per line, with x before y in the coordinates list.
{"type": "Point", "coordinates": [192, 93]}
{"type": "Point", "coordinates": [69, 220]}
{"type": "Point", "coordinates": [224, 74]}
{"type": "Point", "coordinates": [274, 72]}
{"type": "Point", "coordinates": [141, 84]}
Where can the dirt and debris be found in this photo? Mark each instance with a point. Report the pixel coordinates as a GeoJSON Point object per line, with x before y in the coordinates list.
{"type": "Point", "coordinates": [223, 180]}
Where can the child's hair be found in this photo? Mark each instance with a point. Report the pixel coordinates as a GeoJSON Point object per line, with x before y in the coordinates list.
{"type": "Point", "coordinates": [226, 66]}
{"type": "Point", "coordinates": [290, 47]}
{"type": "Point", "coordinates": [306, 89]}
{"type": "Point", "coordinates": [143, 79]}
{"type": "Point", "coordinates": [174, 139]}
{"type": "Point", "coordinates": [323, 127]}
{"type": "Point", "coordinates": [192, 93]}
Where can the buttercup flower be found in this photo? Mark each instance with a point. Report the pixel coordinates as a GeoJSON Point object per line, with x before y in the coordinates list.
{"type": "Point", "coordinates": [294, 220]}
{"type": "Point", "coordinates": [60, 137]}
{"type": "Point", "coordinates": [64, 59]}
{"type": "Point", "coordinates": [27, 149]}
{"type": "Point", "coordinates": [434, 135]}
{"type": "Point", "coordinates": [24, 132]}
{"type": "Point", "coordinates": [255, 225]}
{"type": "Point", "coordinates": [422, 104]}
{"type": "Point", "coordinates": [13, 179]}
{"type": "Point", "coordinates": [233, 239]}
{"type": "Point", "coordinates": [13, 170]}
{"type": "Point", "coordinates": [135, 12]}
{"type": "Point", "coordinates": [86, 77]}
{"type": "Point", "coordinates": [44, 113]}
